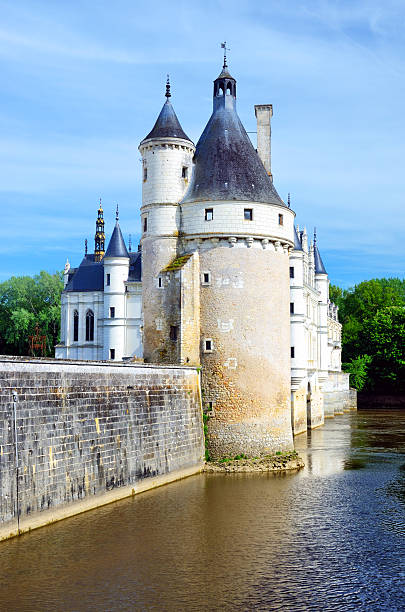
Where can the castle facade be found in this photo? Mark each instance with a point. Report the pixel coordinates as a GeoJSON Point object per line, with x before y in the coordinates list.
{"type": "Point", "coordinates": [223, 279]}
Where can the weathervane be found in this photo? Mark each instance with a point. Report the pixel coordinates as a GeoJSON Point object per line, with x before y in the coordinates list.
{"type": "Point", "coordinates": [168, 94]}
{"type": "Point", "coordinates": [225, 48]}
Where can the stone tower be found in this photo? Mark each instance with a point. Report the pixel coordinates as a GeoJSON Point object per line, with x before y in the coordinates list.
{"type": "Point", "coordinates": [167, 154]}
{"type": "Point", "coordinates": [235, 223]}
{"type": "Point", "coordinates": [116, 267]}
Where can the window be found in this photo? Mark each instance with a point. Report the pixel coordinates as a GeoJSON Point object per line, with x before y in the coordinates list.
{"type": "Point", "coordinates": [292, 352]}
{"type": "Point", "coordinates": [184, 172]}
{"type": "Point", "coordinates": [206, 278]}
{"type": "Point", "coordinates": [208, 345]}
{"type": "Point", "coordinates": [248, 214]}
{"type": "Point", "coordinates": [112, 312]}
{"type": "Point", "coordinates": [89, 326]}
{"type": "Point", "coordinates": [281, 220]}
{"type": "Point", "coordinates": [75, 326]}
{"type": "Point", "coordinates": [145, 174]}
{"type": "Point", "coordinates": [173, 333]}
{"type": "Point", "coordinates": [112, 353]}
{"type": "Point", "coordinates": [108, 280]}
{"type": "Point", "coordinates": [291, 307]}
{"type": "Point", "coordinates": [291, 271]}
{"type": "Point", "coordinates": [209, 214]}
{"type": "Point", "coordinates": [160, 282]}
{"type": "Point", "coordinates": [145, 224]}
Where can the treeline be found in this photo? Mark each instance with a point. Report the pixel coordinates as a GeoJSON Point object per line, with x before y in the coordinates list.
{"type": "Point", "coordinates": [372, 314]}
{"type": "Point", "coordinates": [26, 302]}
{"type": "Point", "coordinates": [373, 335]}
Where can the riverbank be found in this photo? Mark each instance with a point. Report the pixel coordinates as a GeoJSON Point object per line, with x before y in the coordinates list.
{"type": "Point", "coordinates": [282, 462]}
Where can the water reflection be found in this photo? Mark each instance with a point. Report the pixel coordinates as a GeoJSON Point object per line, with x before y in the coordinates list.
{"type": "Point", "coordinates": [330, 537]}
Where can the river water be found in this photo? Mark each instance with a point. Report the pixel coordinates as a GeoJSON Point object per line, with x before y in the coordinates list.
{"type": "Point", "coordinates": [331, 537]}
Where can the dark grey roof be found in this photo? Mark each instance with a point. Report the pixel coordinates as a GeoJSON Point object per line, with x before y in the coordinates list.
{"type": "Point", "coordinates": [227, 167]}
{"type": "Point", "coordinates": [116, 246]}
{"type": "Point", "coordinates": [89, 276]}
{"type": "Point", "coordinates": [167, 125]}
{"type": "Point", "coordinates": [135, 266]}
{"type": "Point", "coordinates": [319, 267]}
{"type": "Point", "coordinates": [297, 241]}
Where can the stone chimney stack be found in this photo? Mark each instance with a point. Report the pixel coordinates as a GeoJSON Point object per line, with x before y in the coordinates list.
{"type": "Point", "coordinates": [264, 113]}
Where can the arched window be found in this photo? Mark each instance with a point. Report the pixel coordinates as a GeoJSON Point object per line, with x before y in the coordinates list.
{"type": "Point", "coordinates": [221, 90]}
{"type": "Point", "coordinates": [229, 89]}
{"type": "Point", "coordinates": [89, 325]}
{"type": "Point", "coordinates": [75, 326]}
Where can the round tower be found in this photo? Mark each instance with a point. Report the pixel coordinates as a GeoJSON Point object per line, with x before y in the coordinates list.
{"type": "Point", "coordinates": [116, 268]}
{"type": "Point", "coordinates": [233, 215]}
{"type": "Point", "coordinates": [167, 154]}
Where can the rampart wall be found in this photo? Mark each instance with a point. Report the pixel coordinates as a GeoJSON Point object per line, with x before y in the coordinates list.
{"type": "Point", "coordinates": [77, 435]}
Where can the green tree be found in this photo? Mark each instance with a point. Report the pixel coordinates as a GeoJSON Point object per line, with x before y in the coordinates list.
{"type": "Point", "coordinates": [387, 336]}
{"type": "Point", "coordinates": [358, 370]}
{"type": "Point", "coordinates": [24, 302]}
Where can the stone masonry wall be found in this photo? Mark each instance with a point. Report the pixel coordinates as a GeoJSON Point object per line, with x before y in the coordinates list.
{"type": "Point", "coordinates": [77, 430]}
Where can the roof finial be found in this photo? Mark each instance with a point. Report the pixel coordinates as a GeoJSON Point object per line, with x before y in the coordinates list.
{"type": "Point", "coordinates": [225, 48]}
{"type": "Point", "coordinates": [100, 203]}
{"type": "Point", "coordinates": [168, 94]}
{"type": "Point", "coordinates": [314, 236]}
{"type": "Point", "coordinates": [130, 243]}
{"type": "Point", "coordinates": [116, 214]}
{"type": "Point", "coordinates": [289, 200]}
{"type": "Point", "coordinates": [85, 247]}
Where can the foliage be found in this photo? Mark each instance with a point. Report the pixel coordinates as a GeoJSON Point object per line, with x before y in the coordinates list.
{"type": "Point", "coordinates": [205, 422]}
{"type": "Point", "coordinates": [24, 302]}
{"type": "Point", "coordinates": [387, 335]}
{"type": "Point", "coordinates": [373, 337]}
{"type": "Point", "coordinates": [358, 370]}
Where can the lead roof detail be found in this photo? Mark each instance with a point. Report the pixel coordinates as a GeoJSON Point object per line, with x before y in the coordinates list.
{"type": "Point", "coordinates": [227, 167]}
{"type": "Point", "coordinates": [167, 125]}
{"type": "Point", "coordinates": [116, 246]}
{"type": "Point", "coordinates": [319, 267]}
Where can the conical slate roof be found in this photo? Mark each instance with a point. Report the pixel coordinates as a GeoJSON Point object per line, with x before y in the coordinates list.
{"type": "Point", "coordinates": [167, 125]}
{"type": "Point", "coordinates": [297, 241]}
{"type": "Point", "coordinates": [116, 246]}
{"type": "Point", "coordinates": [227, 167]}
{"type": "Point", "coordinates": [319, 267]}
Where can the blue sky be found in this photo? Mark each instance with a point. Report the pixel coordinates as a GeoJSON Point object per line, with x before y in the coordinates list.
{"type": "Point", "coordinates": [83, 82]}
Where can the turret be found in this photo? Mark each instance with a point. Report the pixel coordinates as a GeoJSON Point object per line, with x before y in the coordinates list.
{"type": "Point", "coordinates": [322, 285]}
{"type": "Point", "coordinates": [167, 154]}
{"type": "Point", "coordinates": [116, 268]}
{"type": "Point", "coordinates": [234, 219]}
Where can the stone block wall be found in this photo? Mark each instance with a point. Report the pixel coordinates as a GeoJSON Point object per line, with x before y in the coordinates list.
{"type": "Point", "coordinates": [337, 395]}
{"type": "Point", "coordinates": [74, 431]}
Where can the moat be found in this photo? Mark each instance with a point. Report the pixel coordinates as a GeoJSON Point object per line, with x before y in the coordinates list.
{"type": "Point", "coordinates": [329, 537]}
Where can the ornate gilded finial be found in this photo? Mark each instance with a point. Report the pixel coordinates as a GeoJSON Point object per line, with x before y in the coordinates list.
{"type": "Point", "coordinates": [116, 214]}
{"type": "Point", "coordinates": [85, 247]}
{"type": "Point", "coordinates": [225, 48]}
{"type": "Point", "coordinates": [99, 237]}
{"type": "Point", "coordinates": [168, 94]}
{"type": "Point", "coordinates": [130, 243]}
{"type": "Point", "coordinates": [289, 200]}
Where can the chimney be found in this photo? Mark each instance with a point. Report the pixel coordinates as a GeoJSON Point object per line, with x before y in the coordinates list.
{"type": "Point", "coordinates": [263, 113]}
